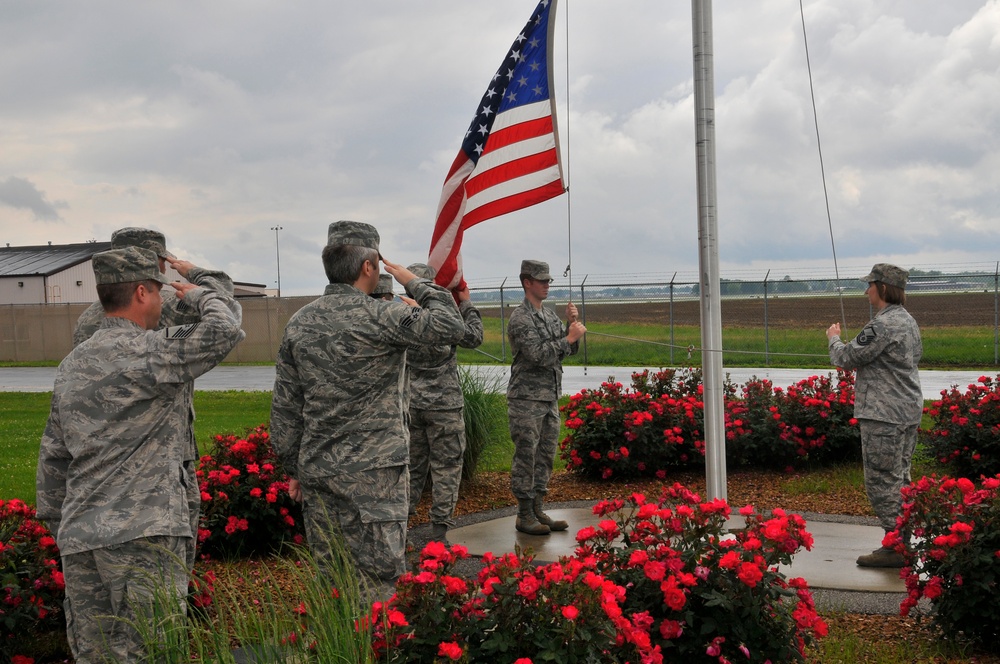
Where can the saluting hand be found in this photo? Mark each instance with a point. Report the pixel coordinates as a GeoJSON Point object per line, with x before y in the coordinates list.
{"type": "Point", "coordinates": [182, 267]}
{"type": "Point", "coordinates": [183, 288]}
{"type": "Point", "coordinates": [399, 273]}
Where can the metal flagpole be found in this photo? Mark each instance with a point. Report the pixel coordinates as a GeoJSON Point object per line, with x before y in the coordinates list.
{"type": "Point", "coordinates": [708, 257]}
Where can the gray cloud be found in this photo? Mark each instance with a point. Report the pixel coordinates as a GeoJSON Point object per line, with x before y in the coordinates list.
{"type": "Point", "coordinates": [216, 122]}
{"type": "Point", "coordinates": [23, 194]}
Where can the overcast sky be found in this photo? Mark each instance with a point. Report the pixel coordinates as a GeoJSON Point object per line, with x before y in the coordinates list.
{"type": "Point", "coordinates": [214, 122]}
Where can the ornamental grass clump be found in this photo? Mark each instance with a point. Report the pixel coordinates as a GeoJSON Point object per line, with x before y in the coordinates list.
{"type": "Point", "coordinates": [705, 595]}
{"type": "Point", "coordinates": [295, 611]}
{"type": "Point", "coordinates": [965, 429]}
{"type": "Point", "coordinates": [485, 414]}
{"type": "Point", "coordinates": [245, 508]}
{"type": "Point", "coordinates": [33, 591]}
{"type": "Point", "coordinates": [953, 559]}
{"type": "Point", "coordinates": [513, 612]}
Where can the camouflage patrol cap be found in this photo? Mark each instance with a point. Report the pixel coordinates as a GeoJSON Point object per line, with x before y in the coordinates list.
{"type": "Point", "coordinates": [141, 237]}
{"type": "Point", "coordinates": [352, 232]}
{"type": "Point", "coordinates": [423, 270]}
{"type": "Point", "coordinates": [537, 270]}
{"type": "Point", "coordinates": [887, 274]}
{"type": "Point", "coordinates": [384, 286]}
{"type": "Point", "coordinates": [119, 266]}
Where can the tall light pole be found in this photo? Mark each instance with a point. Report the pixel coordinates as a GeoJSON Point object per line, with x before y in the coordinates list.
{"type": "Point", "coordinates": [277, 256]}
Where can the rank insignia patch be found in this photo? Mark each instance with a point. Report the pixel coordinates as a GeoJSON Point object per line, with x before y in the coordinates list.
{"type": "Point", "coordinates": [180, 331]}
{"type": "Point", "coordinates": [866, 336]}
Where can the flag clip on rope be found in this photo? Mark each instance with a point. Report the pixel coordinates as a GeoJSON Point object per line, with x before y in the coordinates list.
{"type": "Point", "coordinates": [509, 158]}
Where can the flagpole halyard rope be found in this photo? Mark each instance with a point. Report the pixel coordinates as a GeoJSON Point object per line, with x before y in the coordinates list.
{"type": "Point", "coordinates": [568, 273]}
{"type": "Point", "coordinates": [822, 168]}
{"type": "Point", "coordinates": [566, 170]}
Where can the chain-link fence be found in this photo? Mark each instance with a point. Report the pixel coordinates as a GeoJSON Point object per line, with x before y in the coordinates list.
{"type": "Point", "coordinates": [765, 322]}
{"type": "Point", "coordinates": [639, 323]}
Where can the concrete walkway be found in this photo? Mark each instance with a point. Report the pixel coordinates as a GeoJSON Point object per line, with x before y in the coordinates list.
{"type": "Point", "coordinates": [261, 378]}
{"type": "Point", "coordinates": [830, 564]}
{"type": "Point", "coordinates": [837, 583]}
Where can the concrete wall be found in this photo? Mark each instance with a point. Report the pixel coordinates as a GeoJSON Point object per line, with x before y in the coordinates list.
{"type": "Point", "coordinates": [40, 332]}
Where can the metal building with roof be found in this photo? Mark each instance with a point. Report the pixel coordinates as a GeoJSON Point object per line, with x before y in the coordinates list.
{"type": "Point", "coordinates": [49, 274]}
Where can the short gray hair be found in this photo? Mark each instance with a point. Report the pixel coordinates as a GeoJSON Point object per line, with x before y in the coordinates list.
{"type": "Point", "coordinates": [343, 262]}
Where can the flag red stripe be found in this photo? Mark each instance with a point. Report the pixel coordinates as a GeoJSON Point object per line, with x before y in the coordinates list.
{"type": "Point", "coordinates": [519, 132]}
{"type": "Point", "coordinates": [512, 203]}
{"type": "Point", "coordinates": [480, 182]}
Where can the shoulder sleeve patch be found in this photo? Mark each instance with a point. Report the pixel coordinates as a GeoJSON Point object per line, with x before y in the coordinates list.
{"type": "Point", "coordinates": [180, 331]}
{"type": "Point", "coordinates": [866, 336]}
{"type": "Point", "coordinates": [411, 318]}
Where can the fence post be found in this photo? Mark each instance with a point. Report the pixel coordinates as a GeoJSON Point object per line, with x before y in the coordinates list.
{"type": "Point", "coordinates": [13, 326]}
{"type": "Point", "coordinates": [583, 315]}
{"type": "Point", "coordinates": [270, 337]}
{"type": "Point", "coordinates": [503, 324]}
{"type": "Point", "coordinates": [767, 338]}
{"type": "Point", "coordinates": [996, 313]}
{"type": "Point", "coordinates": [671, 318]}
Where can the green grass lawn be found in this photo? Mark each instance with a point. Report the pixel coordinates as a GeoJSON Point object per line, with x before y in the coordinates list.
{"type": "Point", "coordinates": [646, 345]}
{"type": "Point", "coordinates": [23, 416]}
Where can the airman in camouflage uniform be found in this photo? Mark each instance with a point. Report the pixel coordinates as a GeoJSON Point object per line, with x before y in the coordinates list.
{"type": "Point", "coordinates": [436, 423]}
{"type": "Point", "coordinates": [113, 467]}
{"type": "Point", "coordinates": [337, 417]}
{"type": "Point", "coordinates": [384, 289]}
{"type": "Point", "coordinates": [888, 401]}
{"type": "Point", "coordinates": [175, 311]}
{"type": "Point", "coordinates": [538, 342]}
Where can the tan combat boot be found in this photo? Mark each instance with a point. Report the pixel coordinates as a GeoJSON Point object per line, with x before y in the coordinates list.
{"type": "Point", "coordinates": [545, 518]}
{"type": "Point", "coordinates": [439, 533]}
{"type": "Point", "coordinates": [882, 557]}
{"type": "Point", "coordinates": [526, 521]}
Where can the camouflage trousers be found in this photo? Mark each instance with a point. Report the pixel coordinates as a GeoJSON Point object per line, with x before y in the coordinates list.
{"type": "Point", "coordinates": [534, 428]}
{"type": "Point", "coordinates": [193, 491]}
{"type": "Point", "coordinates": [368, 510]}
{"type": "Point", "coordinates": [109, 589]}
{"type": "Point", "coordinates": [437, 447]}
{"type": "Point", "coordinates": [887, 450]}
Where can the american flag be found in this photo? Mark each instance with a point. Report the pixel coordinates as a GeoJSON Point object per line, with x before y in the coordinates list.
{"type": "Point", "coordinates": [510, 156]}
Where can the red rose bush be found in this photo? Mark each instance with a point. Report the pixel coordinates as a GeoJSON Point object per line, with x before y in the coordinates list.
{"type": "Point", "coordinates": [245, 509]}
{"type": "Point", "coordinates": [513, 612]}
{"type": "Point", "coordinates": [965, 428]}
{"type": "Point", "coordinates": [657, 424]}
{"type": "Point", "coordinates": [703, 594]}
{"type": "Point", "coordinates": [655, 581]}
{"type": "Point", "coordinates": [33, 587]}
{"type": "Point", "coordinates": [953, 558]}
